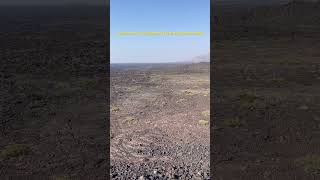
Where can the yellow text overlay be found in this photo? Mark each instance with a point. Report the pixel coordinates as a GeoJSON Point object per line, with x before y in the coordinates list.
{"type": "Point", "coordinates": [160, 33]}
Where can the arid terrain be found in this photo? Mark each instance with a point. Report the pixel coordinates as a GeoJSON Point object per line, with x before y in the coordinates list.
{"type": "Point", "coordinates": [160, 121]}
{"type": "Point", "coordinates": [53, 93]}
{"type": "Point", "coordinates": [266, 83]}
{"type": "Point", "coordinates": [265, 118]}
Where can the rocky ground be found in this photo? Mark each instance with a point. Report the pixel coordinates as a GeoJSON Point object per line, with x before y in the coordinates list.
{"type": "Point", "coordinates": [266, 81]}
{"type": "Point", "coordinates": [266, 109]}
{"type": "Point", "coordinates": [53, 93]}
{"type": "Point", "coordinates": [160, 122]}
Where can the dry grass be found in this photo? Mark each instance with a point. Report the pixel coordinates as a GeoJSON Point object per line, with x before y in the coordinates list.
{"type": "Point", "coordinates": [203, 122]}
{"type": "Point", "coordinates": [14, 150]}
{"type": "Point", "coordinates": [206, 113]}
{"type": "Point", "coordinates": [188, 93]}
{"type": "Point", "coordinates": [310, 163]}
{"type": "Point", "coordinates": [115, 109]}
{"type": "Point", "coordinates": [232, 122]}
{"type": "Point", "coordinates": [129, 120]}
{"type": "Point", "coordinates": [192, 92]}
{"type": "Point", "coordinates": [202, 81]}
{"type": "Point", "coordinates": [250, 100]}
{"type": "Point", "coordinates": [206, 94]}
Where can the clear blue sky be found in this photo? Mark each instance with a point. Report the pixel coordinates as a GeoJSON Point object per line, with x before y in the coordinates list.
{"type": "Point", "coordinates": [158, 16]}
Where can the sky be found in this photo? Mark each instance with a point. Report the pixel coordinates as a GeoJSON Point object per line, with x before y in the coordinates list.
{"type": "Point", "coordinates": [158, 16]}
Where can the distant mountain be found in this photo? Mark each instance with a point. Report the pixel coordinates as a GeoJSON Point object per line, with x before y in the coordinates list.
{"type": "Point", "coordinates": [201, 58]}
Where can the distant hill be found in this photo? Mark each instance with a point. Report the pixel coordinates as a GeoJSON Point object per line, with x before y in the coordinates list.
{"type": "Point", "coordinates": [201, 58]}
